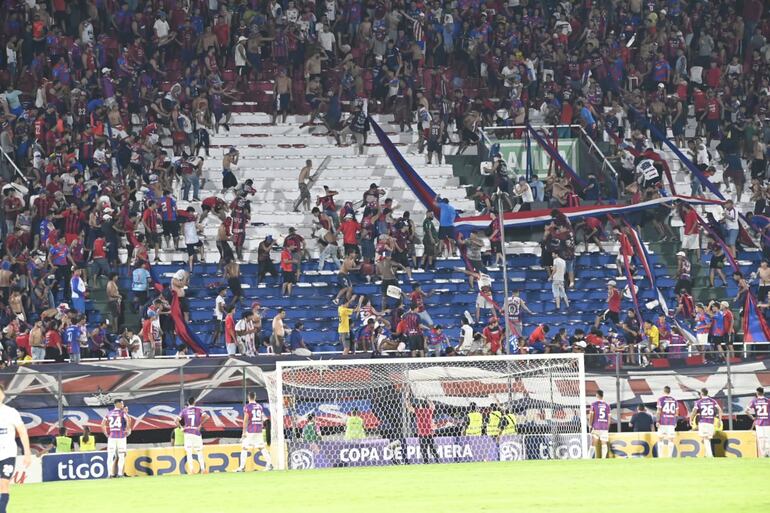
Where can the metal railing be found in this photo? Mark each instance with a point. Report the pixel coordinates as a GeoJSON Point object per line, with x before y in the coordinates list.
{"type": "Point", "coordinates": [14, 166]}
{"type": "Point", "coordinates": [151, 383]}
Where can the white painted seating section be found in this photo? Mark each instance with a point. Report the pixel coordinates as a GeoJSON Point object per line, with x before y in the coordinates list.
{"type": "Point", "coordinates": [274, 168]}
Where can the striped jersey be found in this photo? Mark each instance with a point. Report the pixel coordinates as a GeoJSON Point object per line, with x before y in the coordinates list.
{"type": "Point", "coordinates": [117, 423]}
{"type": "Point", "coordinates": [668, 407]}
{"type": "Point", "coordinates": [761, 408]}
{"type": "Point", "coordinates": [192, 418]}
{"type": "Point", "coordinates": [255, 417]}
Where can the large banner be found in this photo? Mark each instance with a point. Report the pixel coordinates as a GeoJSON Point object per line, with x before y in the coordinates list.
{"type": "Point", "coordinates": [173, 460]}
{"type": "Point", "coordinates": [450, 449]}
{"type": "Point", "coordinates": [45, 421]}
{"type": "Point", "coordinates": [687, 444]}
{"type": "Point", "coordinates": [74, 466]}
{"type": "Point", "coordinates": [646, 386]}
{"type": "Point", "coordinates": [514, 153]}
{"type": "Point", "coordinates": [156, 461]}
{"type": "Point", "coordinates": [152, 390]}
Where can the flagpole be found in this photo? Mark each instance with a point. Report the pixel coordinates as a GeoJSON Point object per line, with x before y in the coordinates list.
{"type": "Point", "coordinates": [500, 213]}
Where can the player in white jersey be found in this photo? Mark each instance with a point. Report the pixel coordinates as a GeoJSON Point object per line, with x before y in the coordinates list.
{"type": "Point", "coordinates": [10, 425]}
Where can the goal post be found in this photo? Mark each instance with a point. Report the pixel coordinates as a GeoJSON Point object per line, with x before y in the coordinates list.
{"type": "Point", "coordinates": [345, 413]}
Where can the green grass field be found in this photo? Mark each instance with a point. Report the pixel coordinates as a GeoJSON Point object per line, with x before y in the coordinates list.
{"type": "Point", "coordinates": [626, 485]}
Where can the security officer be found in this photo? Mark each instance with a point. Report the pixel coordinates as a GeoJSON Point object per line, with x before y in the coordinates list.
{"type": "Point", "coordinates": [493, 420]}
{"type": "Point", "coordinates": [86, 442]}
{"type": "Point", "coordinates": [63, 442]}
{"type": "Point", "coordinates": [475, 421]}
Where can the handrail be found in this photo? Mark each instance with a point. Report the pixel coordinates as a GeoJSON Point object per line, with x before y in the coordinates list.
{"type": "Point", "coordinates": [15, 167]}
{"type": "Point", "coordinates": [495, 127]}
{"type": "Point", "coordinates": [596, 148]}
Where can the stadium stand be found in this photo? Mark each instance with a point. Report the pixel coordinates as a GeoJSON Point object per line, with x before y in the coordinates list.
{"type": "Point", "coordinates": [108, 104]}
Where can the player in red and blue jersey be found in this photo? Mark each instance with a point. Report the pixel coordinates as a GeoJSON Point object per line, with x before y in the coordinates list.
{"type": "Point", "coordinates": [192, 418]}
{"type": "Point", "coordinates": [599, 421]}
{"type": "Point", "coordinates": [116, 427]}
{"type": "Point", "coordinates": [759, 411]}
{"type": "Point", "coordinates": [666, 417]}
{"type": "Point", "coordinates": [253, 436]}
{"type": "Point", "coordinates": [706, 411]}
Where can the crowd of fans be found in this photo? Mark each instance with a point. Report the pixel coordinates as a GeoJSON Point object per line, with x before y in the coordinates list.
{"type": "Point", "coordinates": [92, 88]}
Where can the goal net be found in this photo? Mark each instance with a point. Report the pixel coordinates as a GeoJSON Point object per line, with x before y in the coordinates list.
{"type": "Point", "coordinates": [348, 413]}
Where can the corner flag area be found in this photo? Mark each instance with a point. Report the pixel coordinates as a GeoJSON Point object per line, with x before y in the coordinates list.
{"type": "Point", "coordinates": [575, 486]}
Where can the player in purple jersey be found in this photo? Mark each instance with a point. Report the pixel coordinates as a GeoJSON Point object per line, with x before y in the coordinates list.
{"type": "Point", "coordinates": [117, 426]}
{"type": "Point", "coordinates": [192, 418]}
{"type": "Point", "coordinates": [599, 421]}
{"type": "Point", "coordinates": [759, 411]}
{"type": "Point", "coordinates": [706, 411]}
{"type": "Point", "coordinates": [253, 436]}
{"type": "Point", "coordinates": [666, 417]}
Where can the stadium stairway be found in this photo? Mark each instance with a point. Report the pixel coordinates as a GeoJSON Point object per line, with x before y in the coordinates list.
{"type": "Point", "coordinates": [272, 156]}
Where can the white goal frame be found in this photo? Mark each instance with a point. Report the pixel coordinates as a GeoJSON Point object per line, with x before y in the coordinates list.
{"type": "Point", "coordinates": [278, 410]}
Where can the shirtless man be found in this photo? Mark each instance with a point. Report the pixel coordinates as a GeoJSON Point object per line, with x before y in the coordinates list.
{"type": "Point", "coordinates": [229, 164]}
{"type": "Point", "coordinates": [37, 341]}
{"type": "Point", "coordinates": [233, 277]}
{"type": "Point", "coordinates": [468, 132]}
{"type": "Point", "coordinates": [658, 112]}
{"type": "Point", "coordinates": [283, 95]}
{"type": "Point", "coordinates": [113, 302]}
{"type": "Point", "coordinates": [223, 244]}
{"type": "Point", "coordinates": [315, 98]}
{"type": "Point", "coordinates": [17, 307]}
{"type": "Point", "coordinates": [343, 278]}
{"type": "Point", "coordinates": [202, 116]}
{"type": "Point", "coordinates": [313, 65]}
{"type": "Point", "coordinates": [303, 182]}
{"type": "Point", "coordinates": [179, 281]}
{"type": "Point", "coordinates": [764, 281]}
{"type": "Point", "coordinates": [6, 276]}
{"type": "Point", "coordinates": [387, 268]}
{"type": "Point", "coordinates": [208, 40]}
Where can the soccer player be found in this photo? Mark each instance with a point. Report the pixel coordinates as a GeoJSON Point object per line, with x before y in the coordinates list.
{"type": "Point", "coordinates": [117, 426]}
{"type": "Point", "coordinates": [252, 437]}
{"type": "Point", "coordinates": [192, 418]}
{"type": "Point", "coordinates": [10, 425]}
{"type": "Point", "coordinates": [705, 411]}
{"type": "Point", "coordinates": [759, 411]}
{"type": "Point", "coordinates": [666, 418]}
{"type": "Point", "coordinates": [599, 420]}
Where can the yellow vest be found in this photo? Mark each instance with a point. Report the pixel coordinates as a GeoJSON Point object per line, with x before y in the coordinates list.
{"type": "Point", "coordinates": [718, 425]}
{"type": "Point", "coordinates": [493, 422]}
{"type": "Point", "coordinates": [475, 423]}
{"type": "Point", "coordinates": [510, 424]}
{"type": "Point", "coordinates": [354, 428]}
{"type": "Point", "coordinates": [90, 445]}
{"type": "Point", "coordinates": [178, 437]}
{"type": "Point", "coordinates": [63, 444]}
